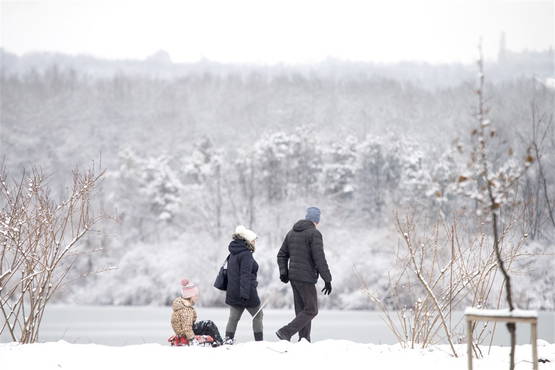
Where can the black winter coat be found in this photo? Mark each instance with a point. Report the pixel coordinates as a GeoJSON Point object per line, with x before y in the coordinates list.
{"type": "Point", "coordinates": [241, 276]}
{"type": "Point", "coordinates": [301, 255]}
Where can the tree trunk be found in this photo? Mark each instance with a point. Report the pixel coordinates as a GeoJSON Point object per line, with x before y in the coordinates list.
{"type": "Point", "coordinates": [511, 326]}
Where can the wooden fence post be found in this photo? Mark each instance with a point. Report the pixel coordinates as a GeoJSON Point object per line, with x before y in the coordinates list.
{"type": "Point", "coordinates": [534, 339]}
{"type": "Point", "coordinates": [469, 342]}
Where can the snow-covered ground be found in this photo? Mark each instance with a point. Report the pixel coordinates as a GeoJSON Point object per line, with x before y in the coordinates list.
{"type": "Point", "coordinates": [327, 354]}
{"type": "Point", "coordinates": [137, 340]}
{"type": "Point", "coordinates": [119, 338]}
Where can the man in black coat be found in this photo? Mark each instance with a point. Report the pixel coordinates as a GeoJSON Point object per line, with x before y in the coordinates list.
{"type": "Point", "coordinates": [301, 260]}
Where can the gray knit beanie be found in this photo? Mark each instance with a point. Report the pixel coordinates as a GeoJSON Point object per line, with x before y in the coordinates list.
{"type": "Point", "coordinates": [313, 214]}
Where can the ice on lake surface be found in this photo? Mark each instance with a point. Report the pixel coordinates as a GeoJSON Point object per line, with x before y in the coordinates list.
{"type": "Point", "coordinates": [124, 325]}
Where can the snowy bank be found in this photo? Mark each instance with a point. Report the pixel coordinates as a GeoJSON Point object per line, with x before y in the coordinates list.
{"type": "Point", "coordinates": [327, 354]}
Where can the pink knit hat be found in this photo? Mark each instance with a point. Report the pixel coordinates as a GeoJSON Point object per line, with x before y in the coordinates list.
{"type": "Point", "coordinates": [188, 289]}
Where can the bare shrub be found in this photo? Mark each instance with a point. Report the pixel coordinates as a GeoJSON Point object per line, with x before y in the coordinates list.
{"type": "Point", "coordinates": [40, 241]}
{"type": "Point", "coordinates": [454, 266]}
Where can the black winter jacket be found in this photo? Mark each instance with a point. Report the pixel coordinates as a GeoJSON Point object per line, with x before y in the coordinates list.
{"type": "Point", "coordinates": [241, 276]}
{"type": "Point", "coordinates": [301, 255]}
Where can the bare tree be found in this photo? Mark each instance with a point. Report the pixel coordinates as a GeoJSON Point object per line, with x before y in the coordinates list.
{"type": "Point", "coordinates": [40, 241]}
{"type": "Point", "coordinates": [493, 181]}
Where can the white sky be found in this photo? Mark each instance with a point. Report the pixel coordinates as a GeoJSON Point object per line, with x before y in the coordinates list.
{"type": "Point", "coordinates": [290, 31]}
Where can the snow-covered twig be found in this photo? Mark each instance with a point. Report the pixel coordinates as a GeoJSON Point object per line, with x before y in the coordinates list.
{"type": "Point", "coordinates": [427, 287]}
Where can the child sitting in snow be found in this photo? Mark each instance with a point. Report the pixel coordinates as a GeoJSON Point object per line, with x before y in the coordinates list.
{"type": "Point", "coordinates": [187, 330]}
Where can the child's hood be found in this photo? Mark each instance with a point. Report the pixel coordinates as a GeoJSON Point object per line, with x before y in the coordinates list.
{"type": "Point", "coordinates": [181, 303]}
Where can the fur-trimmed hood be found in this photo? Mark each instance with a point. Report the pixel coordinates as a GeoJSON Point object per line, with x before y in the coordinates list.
{"type": "Point", "coordinates": [241, 239]}
{"type": "Point", "coordinates": [239, 245]}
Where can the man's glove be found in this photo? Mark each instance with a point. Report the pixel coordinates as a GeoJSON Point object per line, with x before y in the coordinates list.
{"type": "Point", "coordinates": [327, 288]}
{"type": "Point", "coordinates": [284, 278]}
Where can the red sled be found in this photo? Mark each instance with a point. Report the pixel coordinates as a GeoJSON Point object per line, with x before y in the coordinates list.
{"type": "Point", "coordinates": [176, 340]}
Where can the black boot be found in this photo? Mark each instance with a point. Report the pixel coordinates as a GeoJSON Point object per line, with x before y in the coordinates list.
{"type": "Point", "coordinates": [281, 335]}
{"type": "Point", "coordinates": [229, 338]}
{"type": "Point", "coordinates": [259, 337]}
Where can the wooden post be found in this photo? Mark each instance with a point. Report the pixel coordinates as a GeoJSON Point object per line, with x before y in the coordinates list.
{"type": "Point", "coordinates": [469, 342]}
{"type": "Point", "coordinates": [534, 340]}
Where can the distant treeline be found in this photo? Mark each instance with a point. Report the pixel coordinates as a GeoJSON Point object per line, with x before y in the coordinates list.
{"type": "Point", "coordinates": [191, 155]}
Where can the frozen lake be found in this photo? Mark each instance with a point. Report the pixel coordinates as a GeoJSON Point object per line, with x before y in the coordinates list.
{"type": "Point", "coordinates": [123, 325]}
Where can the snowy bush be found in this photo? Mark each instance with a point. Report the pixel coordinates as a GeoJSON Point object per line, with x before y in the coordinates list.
{"type": "Point", "coordinates": [40, 241]}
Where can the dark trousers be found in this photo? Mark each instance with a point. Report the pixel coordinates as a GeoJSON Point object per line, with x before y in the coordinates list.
{"type": "Point", "coordinates": [306, 308]}
{"type": "Point", "coordinates": [207, 327]}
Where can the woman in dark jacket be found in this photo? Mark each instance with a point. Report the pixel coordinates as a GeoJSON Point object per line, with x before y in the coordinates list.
{"type": "Point", "coordinates": [241, 283]}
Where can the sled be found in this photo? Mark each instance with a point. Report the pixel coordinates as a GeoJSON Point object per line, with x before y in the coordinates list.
{"type": "Point", "coordinates": [178, 341]}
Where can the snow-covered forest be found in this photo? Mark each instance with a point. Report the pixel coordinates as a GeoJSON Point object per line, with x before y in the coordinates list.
{"type": "Point", "coordinates": [192, 150]}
